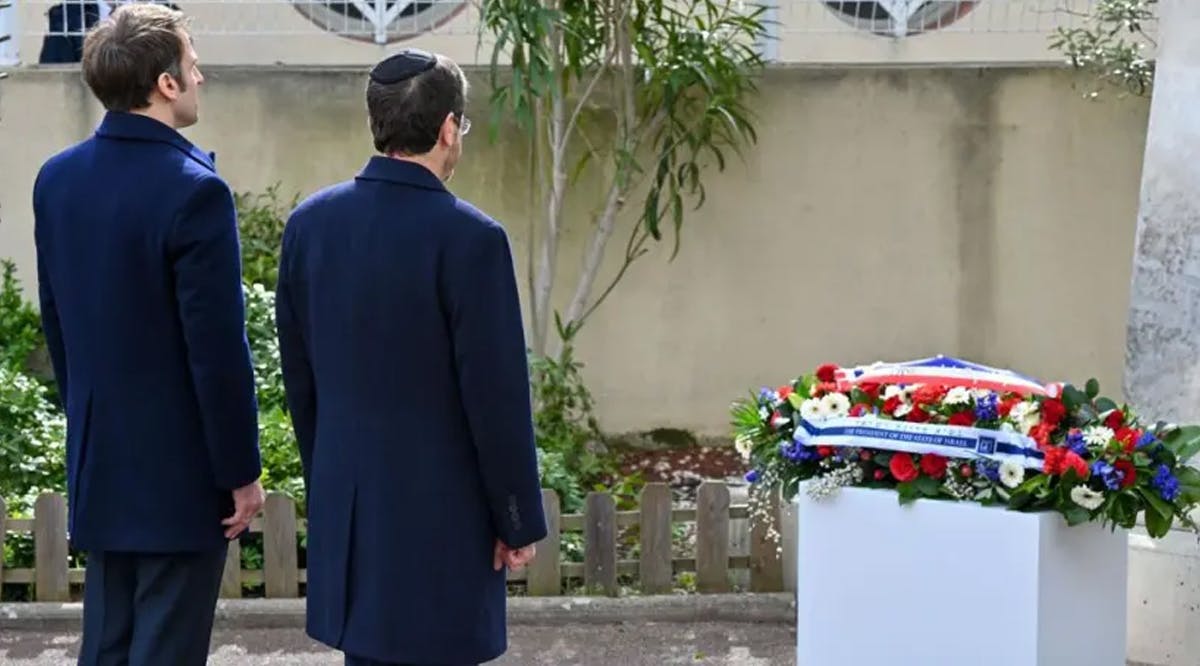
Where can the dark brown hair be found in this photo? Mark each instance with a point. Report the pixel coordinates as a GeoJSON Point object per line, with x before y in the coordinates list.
{"type": "Point", "coordinates": [124, 55]}
{"type": "Point", "coordinates": [407, 116]}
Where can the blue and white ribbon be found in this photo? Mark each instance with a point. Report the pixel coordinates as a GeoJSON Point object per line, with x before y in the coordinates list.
{"type": "Point", "coordinates": [920, 438]}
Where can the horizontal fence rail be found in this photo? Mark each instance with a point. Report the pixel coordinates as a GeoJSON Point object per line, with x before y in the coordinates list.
{"type": "Point", "coordinates": [646, 535]}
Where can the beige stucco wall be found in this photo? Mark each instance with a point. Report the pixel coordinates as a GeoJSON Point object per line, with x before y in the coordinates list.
{"type": "Point", "coordinates": [885, 214]}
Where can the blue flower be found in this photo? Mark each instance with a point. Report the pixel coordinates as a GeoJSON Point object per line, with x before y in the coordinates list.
{"type": "Point", "coordinates": [752, 476]}
{"type": "Point", "coordinates": [797, 452]}
{"type": "Point", "coordinates": [986, 408]}
{"type": "Point", "coordinates": [989, 469]}
{"type": "Point", "coordinates": [1166, 483]}
{"type": "Point", "coordinates": [1146, 439]}
{"type": "Point", "coordinates": [767, 396]}
{"type": "Point", "coordinates": [1075, 442]}
{"type": "Point", "coordinates": [1109, 474]}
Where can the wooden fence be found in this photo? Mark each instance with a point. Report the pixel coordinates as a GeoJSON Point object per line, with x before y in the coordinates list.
{"type": "Point", "coordinates": [650, 527]}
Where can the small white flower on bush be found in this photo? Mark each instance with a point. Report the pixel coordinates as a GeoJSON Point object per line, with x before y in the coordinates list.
{"type": "Point", "coordinates": [1011, 474]}
{"type": "Point", "coordinates": [811, 409]}
{"type": "Point", "coordinates": [959, 395]}
{"type": "Point", "coordinates": [835, 404]}
{"type": "Point", "coordinates": [1098, 435]}
{"type": "Point", "coordinates": [744, 446]}
{"type": "Point", "coordinates": [1087, 498]}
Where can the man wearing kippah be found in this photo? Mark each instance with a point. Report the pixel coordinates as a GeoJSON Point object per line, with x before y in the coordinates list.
{"type": "Point", "coordinates": [404, 362]}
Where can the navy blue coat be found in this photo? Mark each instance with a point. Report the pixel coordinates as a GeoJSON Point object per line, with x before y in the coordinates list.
{"type": "Point", "coordinates": [404, 361]}
{"type": "Point", "coordinates": [140, 288]}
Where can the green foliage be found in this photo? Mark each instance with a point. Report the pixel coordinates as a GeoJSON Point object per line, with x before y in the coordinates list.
{"type": "Point", "coordinates": [20, 324]}
{"type": "Point", "coordinates": [261, 218]}
{"type": "Point", "coordinates": [32, 441]}
{"type": "Point", "coordinates": [1111, 44]}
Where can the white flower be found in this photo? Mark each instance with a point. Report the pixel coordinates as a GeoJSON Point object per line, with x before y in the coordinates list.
{"type": "Point", "coordinates": [1007, 427]}
{"type": "Point", "coordinates": [981, 393]}
{"type": "Point", "coordinates": [811, 410]}
{"type": "Point", "coordinates": [1098, 435]}
{"type": "Point", "coordinates": [1087, 498]}
{"type": "Point", "coordinates": [959, 395]}
{"type": "Point", "coordinates": [1011, 474]}
{"type": "Point", "coordinates": [780, 421]}
{"type": "Point", "coordinates": [744, 445]}
{"type": "Point", "coordinates": [835, 404]}
{"type": "Point", "coordinates": [902, 411]}
{"type": "Point", "coordinates": [893, 391]}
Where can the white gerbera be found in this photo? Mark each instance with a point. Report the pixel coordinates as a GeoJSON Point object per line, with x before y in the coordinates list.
{"type": "Point", "coordinates": [959, 395]}
{"type": "Point", "coordinates": [1025, 416]}
{"type": "Point", "coordinates": [744, 446]}
{"type": "Point", "coordinates": [1011, 474]}
{"type": "Point", "coordinates": [811, 410]}
{"type": "Point", "coordinates": [835, 404]}
{"type": "Point", "coordinates": [1098, 435]}
{"type": "Point", "coordinates": [1087, 498]}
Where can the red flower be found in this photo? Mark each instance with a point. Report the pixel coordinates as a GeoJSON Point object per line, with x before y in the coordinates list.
{"type": "Point", "coordinates": [859, 409]}
{"type": "Point", "coordinates": [1059, 460]}
{"type": "Point", "coordinates": [1115, 420]}
{"type": "Point", "coordinates": [865, 455]}
{"type": "Point", "coordinates": [824, 451]}
{"type": "Point", "coordinates": [1007, 404]}
{"type": "Point", "coordinates": [961, 419]}
{"type": "Point", "coordinates": [1041, 434]}
{"type": "Point", "coordinates": [929, 395]}
{"type": "Point", "coordinates": [1129, 472]}
{"type": "Point", "coordinates": [879, 474]}
{"type": "Point", "coordinates": [891, 404]}
{"type": "Point", "coordinates": [918, 415]}
{"type": "Point", "coordinates": [826, 372]}
{"type": "Point", "coordinates": [775, 417]}
{"type": "Point", "coordinates": [785, 391]}
{"type": "Point", "coordinates": [826, 387]}
{"type": "Point", "coordinates": [1053, 411]}
{"type": "Point", "coordinates": [966, 471]}
{"type": "Point", "coordinates": [1129, 437]}
{"type": "Point", "coordinates": [933, 465]}
{"type": "Point", "coordinates": [871, 389]}
{"type": "Point", "coordinates": [902, 467]}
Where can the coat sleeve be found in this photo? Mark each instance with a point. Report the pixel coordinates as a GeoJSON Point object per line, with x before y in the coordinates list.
{"type": "Point", "coordinates": [48, 307]}
{"type": "Point", "coordinates": [297, 368]}
{"type": "Point", "coordinates": [493, 374]}
{"type": "Point", "coordinates": [206, 262]}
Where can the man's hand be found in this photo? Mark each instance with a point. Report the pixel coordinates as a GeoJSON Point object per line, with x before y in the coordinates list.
{"type": "Point", "coordinates": [513, 558]}
{"type": "Point", "coordinates": [247, 501]}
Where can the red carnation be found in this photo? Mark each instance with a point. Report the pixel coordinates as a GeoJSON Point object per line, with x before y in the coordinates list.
{"type": "Point", "coordinates": [966, 471]}
{"type": "Point", "coordinates": [1041, 434]}
{"type": "Point", "coordinates": [902, 467]}
{"type": "Point", "coordinates": [918, 415]}
{"type": "Point", "coordinates": [929, 395]}
{"type": "Point", "coordinates": [824, 451]}
{"type": "Point", "coordinates": [1128, 471]}
{"type": "Point", "coordinates": [1053, 411]}
{"type": "Point", "coordinates": [785, 391]}
{"type": "Point", "coordinates": [933, 465]}
{"type": "Point", "coordinates": [1115, 420]}
{"type": "Point", "coordinates": [826, 373]}
{"type": "Point", "coordinates": [879, 474]}
{"type": "Point", "coordinates": [859, 410]}
{"type": "Point", "coordinates": [1059, 460]}
{"type": "Point", "coordinates": [891, 404]}
{"type": "Point", "coordinates": [871, 389]}
{"type": "Point", "coordinates": [961, 419]}
{"type": "Point", "coordinates": [826, 387]}
{"type": "Point", "coordinates": [1129, 437]}
{"type": "Point", "coordinates": [1007, 404]}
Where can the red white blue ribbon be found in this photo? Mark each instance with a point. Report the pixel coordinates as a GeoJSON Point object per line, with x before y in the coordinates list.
{"type": "Point", "coordinates": [944, 371]}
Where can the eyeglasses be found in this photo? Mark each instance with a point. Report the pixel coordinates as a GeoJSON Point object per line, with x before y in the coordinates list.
{"type": "Point", "coordinates": [464, 125]}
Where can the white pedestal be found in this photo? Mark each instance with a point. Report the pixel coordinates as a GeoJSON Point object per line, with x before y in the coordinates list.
{"type": "Point", "coordinates": [953, 584]}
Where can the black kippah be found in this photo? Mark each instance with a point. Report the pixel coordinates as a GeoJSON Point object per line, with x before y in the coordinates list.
{"type": "Point", "coordinates": [403, 65]}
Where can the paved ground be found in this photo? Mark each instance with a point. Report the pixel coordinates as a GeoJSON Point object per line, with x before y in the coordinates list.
{"type": "Point", "coordinates": [643, 644]}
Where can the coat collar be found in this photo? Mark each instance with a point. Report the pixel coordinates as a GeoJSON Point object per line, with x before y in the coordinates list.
{"type": "Point", "coordinates": [119, 125]}
{"type": "Point", "coordinates": [402, 172]}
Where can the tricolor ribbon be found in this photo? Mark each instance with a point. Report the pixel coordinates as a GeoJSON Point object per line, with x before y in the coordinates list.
{"type": "Point", "coordinates": [944, 371]}
{"type": "Point", "coordinates": [921, 438]}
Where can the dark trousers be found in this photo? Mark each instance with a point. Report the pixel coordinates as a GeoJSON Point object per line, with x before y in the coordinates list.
{"type": "Point", "coordinates": [351, 660]}
{"type": "Point", "coordinates": [149, 610]}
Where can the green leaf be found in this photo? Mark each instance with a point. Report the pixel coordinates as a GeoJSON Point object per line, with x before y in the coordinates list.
{"type": "Point", "coordinates": [1093, 389]}
{"type": "Point", "coordinates": [1077, 515]}
{"type": "Point", "coordinates": [1184, 442]}
{"type": "Point", "coordinates": [928, 486]}
{"type": "Point", "coordinates": [1105, 405]}
{"type": "Point", "coordinates": [1073, 398]}
{"type": "Point", "coordinates": [907, 492]}
{"type": "Point", "coordinates": [795, 400]}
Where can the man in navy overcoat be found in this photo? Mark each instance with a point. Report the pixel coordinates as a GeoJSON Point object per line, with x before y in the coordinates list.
{"type": "Point", "coordinates": [404, 362]}
{"type": "Point", "coordinates": [140, 290]}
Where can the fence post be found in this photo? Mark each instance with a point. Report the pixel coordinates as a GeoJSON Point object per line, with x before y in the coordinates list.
{"type": "Point", "coordinates": [50, 548]}
{"type": "Point", "coordinates": [231, 578]}
{"type": "Point", "coordinates": [281, 569]}
{"type": "Point", "coordinates": [712, 537]}
{"type": "Point", "coordinates": [545, 572]}
{"type": "Point", "coordinates": [655, 568]}
{"type": "Point", "coordinates": [3, 531]}
{"type": "Point", "coordinates": [600, 543]}
{"type": "Point", "coordinates": [766, 566]}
